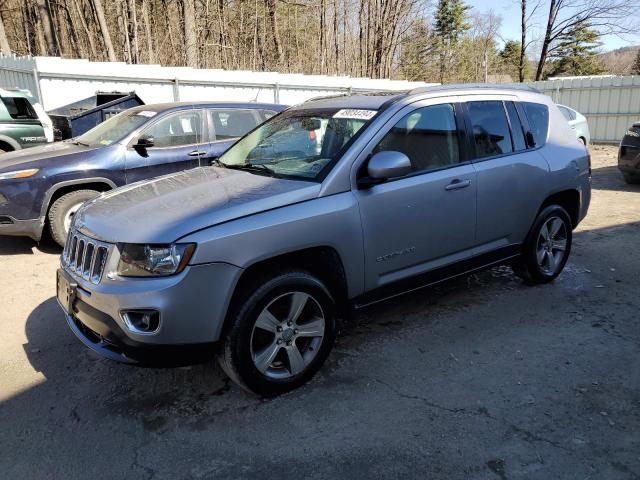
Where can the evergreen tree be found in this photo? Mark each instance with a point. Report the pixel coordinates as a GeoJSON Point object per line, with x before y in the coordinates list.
{"type": "Point", "coordinates": [576, 53]}
{"type": "Point", "coordinates": [635, 68]}
{"type": "Point", "coordinates": [414, 55]}
{"type": "Point", "coordinates": [510, 59]}
{"type": "Point", "coordinates": [450, 25]}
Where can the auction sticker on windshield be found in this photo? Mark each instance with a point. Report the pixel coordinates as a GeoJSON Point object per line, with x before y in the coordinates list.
{"type": "Point", "coordinates": [147, 113]}
{"type": "Point", "coordinates": [356, 114]}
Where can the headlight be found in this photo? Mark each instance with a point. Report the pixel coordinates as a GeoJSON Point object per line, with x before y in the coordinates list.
{"type": "Point", "coordinates": [153, 260]}
{"type": "Point", "coordinates": [19, 174]}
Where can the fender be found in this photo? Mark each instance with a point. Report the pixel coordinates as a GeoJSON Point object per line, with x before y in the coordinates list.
{"type": "Point", "coordinates": [79, 181]}
{"type": "Point", "coordinates": [10, 141]}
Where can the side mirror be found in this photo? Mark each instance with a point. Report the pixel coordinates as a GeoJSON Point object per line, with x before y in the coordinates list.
{"type": "Point", "coordinates": [145, 142]}
{"type": "Point", "coordinates": [391, 164]}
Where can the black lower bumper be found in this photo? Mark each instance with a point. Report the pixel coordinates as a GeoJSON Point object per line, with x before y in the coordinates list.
{"type": "Point", "coordinates": [103, 335]}
{"type": "Point", "coordinates": [21, 228]}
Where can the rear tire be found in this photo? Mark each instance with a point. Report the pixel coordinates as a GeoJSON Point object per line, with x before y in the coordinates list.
{"type": "Point", "coordinates": [282, 332]}
{"type": "Point", "coordinates": [62, 211]}
{"type": "Point", "coordinates": [631, 179]}
{"type": "Point", "coordinates": [547, 247]}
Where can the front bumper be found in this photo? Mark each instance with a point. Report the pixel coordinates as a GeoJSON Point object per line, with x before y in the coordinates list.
{"type": "Point", "coordinates": [192, 308]}
{"type": "Point", "coordinates": [21, 228]}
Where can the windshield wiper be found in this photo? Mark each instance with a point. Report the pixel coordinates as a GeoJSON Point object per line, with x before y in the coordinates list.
{"type": "Point", "coordinates": [217, 163]}
{"type": "Point", "coordinates": [78, 142]}
{"type": "Point", "coordinates": [254, 167]}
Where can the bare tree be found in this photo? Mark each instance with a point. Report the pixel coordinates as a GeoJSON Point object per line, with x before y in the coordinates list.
{"type": "Point", "coordinates": [4, 41]}
{"type": "Point", "coordinates": [48, 28]}
{"type": "Point", "coordinates": [604, 16]}
{"type": "Point", "coordinates": [526, 16]}
{"type": "Point", "coordinates": [190, 34]}
{"type": "Point", "coordinates": [104, 30]}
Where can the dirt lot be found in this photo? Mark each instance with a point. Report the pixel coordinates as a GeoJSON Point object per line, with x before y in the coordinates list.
{"type": "Point", "coordinates": [479, 378]}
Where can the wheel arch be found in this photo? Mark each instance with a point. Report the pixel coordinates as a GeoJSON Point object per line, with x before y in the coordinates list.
{"type": "Point", "coordinates": [99, 184]}
{"type": "Point", "coordinates": [567, 199]}
{"type": "Point", "coordinates": [322, 261]}
{"type": "Point", "coordinates": [10, 143]}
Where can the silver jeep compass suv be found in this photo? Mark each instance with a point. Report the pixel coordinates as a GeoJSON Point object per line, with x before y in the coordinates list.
{"type": "Point", "coordinates": [335, 203]}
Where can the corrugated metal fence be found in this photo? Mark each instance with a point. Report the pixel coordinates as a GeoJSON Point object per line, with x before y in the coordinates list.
{"type": "Point", "coordinates": [610, 104]}
{"type": "Point", "coordinates": [63, 81]}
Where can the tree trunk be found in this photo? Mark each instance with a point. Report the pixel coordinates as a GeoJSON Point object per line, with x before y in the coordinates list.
{"type": "Point", "coordinates": [547, 40]}
{"type": "Point", "coordinates": [190, 37]}
{"type": "Point", "coordinates": [323, 40]}
{"type": "Point", "coordinates": [132, 31]}
{"type": "Point", "coordinates": [104, 30]}
{"type": "Point", "coordinates": [83, 22]}
{"type": "Point", "coordinates": [147, 30]}
{"type": "Point", "coordinates": [523, 39]}
{"type": "Point", "coordinates": [273, 25]}
{"type": "Point", "coordinates": [48, 28]}
{"type": "Point", "coordinates": [4, 41]}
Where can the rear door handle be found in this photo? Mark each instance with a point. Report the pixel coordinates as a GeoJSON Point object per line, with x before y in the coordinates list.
{"type": "Point", "coordinates": [195, 153]}
{"type": "Point", "coordinates": [458, 184]}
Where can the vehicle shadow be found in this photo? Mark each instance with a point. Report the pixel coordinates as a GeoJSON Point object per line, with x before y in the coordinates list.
{"type": "Point", "coordinates": [610, 178]}
{"type": "Point", "coordinates": [25, 245]}
{"type": "Point", "coordinates": [84, 398]}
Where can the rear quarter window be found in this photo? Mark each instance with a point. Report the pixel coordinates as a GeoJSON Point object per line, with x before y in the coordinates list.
{"type": "Point", "coordinates": [538, 117]}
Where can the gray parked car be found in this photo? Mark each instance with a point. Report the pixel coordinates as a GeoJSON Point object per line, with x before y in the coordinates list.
{"type": "Point", "coordinates": [257, 256]}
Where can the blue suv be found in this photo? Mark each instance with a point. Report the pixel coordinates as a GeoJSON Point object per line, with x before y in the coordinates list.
{"type": "Point", "coordinates": [47, 185]}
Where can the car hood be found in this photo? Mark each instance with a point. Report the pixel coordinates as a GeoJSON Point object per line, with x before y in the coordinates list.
{"type": "Point", "coordinates": [167, 208]}
{"type": "Point", "coordinates": [33, 156]}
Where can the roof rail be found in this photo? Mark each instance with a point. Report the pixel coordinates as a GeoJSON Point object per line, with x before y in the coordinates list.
{"type": "Point", "coordinates": [465, 86]}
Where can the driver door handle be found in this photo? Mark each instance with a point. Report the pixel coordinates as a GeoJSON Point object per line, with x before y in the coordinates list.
{"type": "Point", "coordinates": [458, 184]}
{"type": "Point", "coordinates": [195, 153]}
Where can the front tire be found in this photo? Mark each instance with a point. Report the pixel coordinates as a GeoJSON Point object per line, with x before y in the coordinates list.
{"type": "Point", "coordinates": [547, 246]}
{"type": "Point", "coordinates": [62, 211]}
{"type": "Point", "coordinates": [282, 332]}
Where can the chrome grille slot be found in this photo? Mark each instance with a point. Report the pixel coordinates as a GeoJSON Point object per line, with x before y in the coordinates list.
{"type": "Point", "coordinates": [88, 260]}
{"type": "Point", "coordinates": [79, 256]}
{"type": "Point", "coordinates": [85, 256]}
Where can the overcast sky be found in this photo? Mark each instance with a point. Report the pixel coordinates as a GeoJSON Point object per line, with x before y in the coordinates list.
{"type": "Point", "coordinates": [510, 12]}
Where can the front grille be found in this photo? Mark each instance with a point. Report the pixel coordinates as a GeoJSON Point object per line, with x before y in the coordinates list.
{"type": "Point", "coordinates": [85, 257]}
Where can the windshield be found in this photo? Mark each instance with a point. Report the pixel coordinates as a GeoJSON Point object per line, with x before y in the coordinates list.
{"type": "Point", "coordinates": [299, 143]}
{"type": "Point", "coordinates": [115, 128]}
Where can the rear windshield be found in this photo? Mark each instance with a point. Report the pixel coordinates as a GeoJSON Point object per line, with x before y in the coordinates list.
{"type": "Point", "coordinates": [538, 116]}
{"type": "Point", "coordinates": [19, 108]}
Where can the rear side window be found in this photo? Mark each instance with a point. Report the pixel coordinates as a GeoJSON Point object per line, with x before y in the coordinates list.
{"type": "Point", "coordinates": [538, 117]}
{"type": "Point", "coordinates": [428, 136]}
{"type": "Point", "coordinates": [231, 123]}
{"type": "Point", "coordinates": [19, 108]}
{"type": "Point", "coordinates": [567, 113]}
{"type": "Point", "coordinates": [491, 134]}
{"type": "Point", "coordinates": [517, 131]}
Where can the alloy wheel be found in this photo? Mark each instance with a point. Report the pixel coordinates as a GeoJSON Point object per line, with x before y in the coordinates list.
{"type": "Point", "coordinates": [287, 335]}
{"type": "Point", "coordinates": [552, 245]}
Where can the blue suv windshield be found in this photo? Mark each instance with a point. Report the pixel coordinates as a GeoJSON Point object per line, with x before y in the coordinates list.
{"type": "Point", "coordinates": [115, 128]}
{"type": "Point", "coordinates": [298, 143]}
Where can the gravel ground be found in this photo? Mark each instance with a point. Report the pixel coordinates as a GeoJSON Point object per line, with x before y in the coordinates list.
{"type": "Point", "coordinates": [478, 378]}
